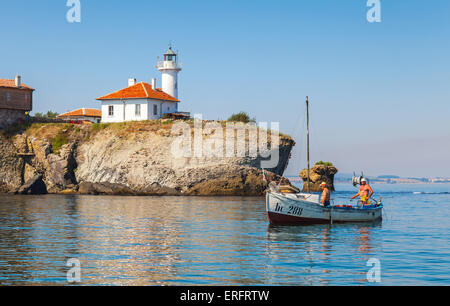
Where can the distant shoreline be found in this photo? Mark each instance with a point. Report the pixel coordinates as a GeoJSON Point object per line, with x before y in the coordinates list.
{"type": "Point", "coordinates": [400, 181]}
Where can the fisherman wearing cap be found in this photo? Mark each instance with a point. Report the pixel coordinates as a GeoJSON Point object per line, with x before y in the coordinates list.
{"type": "Point", "coordinates": [365, 192]}
{"type": "Point", "coordinates": [326, 194]}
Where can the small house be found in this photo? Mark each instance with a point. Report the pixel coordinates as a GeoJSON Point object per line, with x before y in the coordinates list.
{"type": "Point", "coordinates": [83, 114]}
{"type": "Point", "coordinates": [16, 100]}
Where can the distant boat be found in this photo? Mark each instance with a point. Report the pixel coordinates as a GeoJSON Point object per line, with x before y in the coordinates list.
{"type": "Point", "coordinates": [305, 208]}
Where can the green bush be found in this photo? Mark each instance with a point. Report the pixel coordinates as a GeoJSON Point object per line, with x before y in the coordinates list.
{"type": "Point", "coordinates": [322, 163]}
{"type": "Point", "coordinates": [50, 115]}
{"type": "Point", "coordinates": [241, 117]}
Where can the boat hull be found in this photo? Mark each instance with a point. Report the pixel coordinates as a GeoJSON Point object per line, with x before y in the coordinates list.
{"type": "Point", "coordinates": [288, 209]}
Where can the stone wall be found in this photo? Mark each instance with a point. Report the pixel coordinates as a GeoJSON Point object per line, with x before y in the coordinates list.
{"type": "Point", "coordinates": [9, 117]}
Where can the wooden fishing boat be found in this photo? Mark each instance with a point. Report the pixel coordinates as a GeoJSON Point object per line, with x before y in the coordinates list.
{"type": "Point", "coordinates": [284, 207]}
{"type": "Point", "coordinates": [304, 208]}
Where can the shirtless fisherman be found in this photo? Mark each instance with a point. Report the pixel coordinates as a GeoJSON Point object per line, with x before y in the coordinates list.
{"type": "Point", "coordinates": [365, 192]}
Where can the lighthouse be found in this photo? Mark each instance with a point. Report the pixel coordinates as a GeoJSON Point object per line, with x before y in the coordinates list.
{"type": "Point", "coordinates": [169, 69]}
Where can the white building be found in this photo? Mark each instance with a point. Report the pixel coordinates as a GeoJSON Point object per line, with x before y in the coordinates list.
{"type": "Point", "coordinates": [142, 101]}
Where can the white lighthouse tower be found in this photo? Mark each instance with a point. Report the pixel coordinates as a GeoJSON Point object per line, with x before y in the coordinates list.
{"type": "Point", "coordinates": [169, 69]}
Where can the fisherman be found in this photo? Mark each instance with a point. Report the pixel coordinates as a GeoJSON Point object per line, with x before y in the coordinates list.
{"type": "Point", "coordinates": [326, 194]}
{"type": "Point", "coordinates": [365, 192]}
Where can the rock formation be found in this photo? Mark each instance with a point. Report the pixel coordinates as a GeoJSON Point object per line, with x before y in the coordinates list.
{"type": "Point", "coordinates": [126, 159]}
{"type": "Point", "coordinates": [34, 185]}
{"type": "Point", "coordinates": [319, 174]}
{"type": "Point", "coordinates": [11, 166]}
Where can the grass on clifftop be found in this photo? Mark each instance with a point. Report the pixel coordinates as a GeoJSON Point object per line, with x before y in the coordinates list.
{"type": "Point", "coordinates": [162, 127]}
{"type": "Point", "coordinates": [59, 134]}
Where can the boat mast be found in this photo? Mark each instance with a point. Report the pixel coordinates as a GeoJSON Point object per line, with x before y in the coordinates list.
{"type": "Point", "coordinates": [307, 141]}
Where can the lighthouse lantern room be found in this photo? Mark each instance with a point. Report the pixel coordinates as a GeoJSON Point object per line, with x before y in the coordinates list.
{"type": "Point", "coordinates": [169, 69]}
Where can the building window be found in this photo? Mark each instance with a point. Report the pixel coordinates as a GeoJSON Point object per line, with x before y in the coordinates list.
{"type": "Point", "coordinates": [26, 97]}
{"type": "Point", "coordinates": [111, 110]}
{"type": "Point", "coordinates": [138, 110]}
{"type": "Point", "coordinates": [155, 110]}
{"type": "Point", "coordinates": [8, 96]}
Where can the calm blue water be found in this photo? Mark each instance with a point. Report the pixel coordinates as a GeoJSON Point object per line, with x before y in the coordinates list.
{"type": "Point", "coordinates": [220, 241]}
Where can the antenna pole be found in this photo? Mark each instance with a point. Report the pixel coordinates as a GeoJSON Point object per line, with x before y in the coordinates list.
{"type": "Point", "coordinates": [307, 142]}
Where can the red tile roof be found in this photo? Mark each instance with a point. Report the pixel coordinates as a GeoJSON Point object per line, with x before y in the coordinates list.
{"type": "Point", "coordinates": [139, 91]}
{"type": "Point", "coordinates": [12, 84]}
{"type": "Point", "coordinates": [86, 112]}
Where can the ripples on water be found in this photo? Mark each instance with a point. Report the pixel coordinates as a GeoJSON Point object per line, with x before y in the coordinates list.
{"type": "Point", "coordinates": [219, 241]}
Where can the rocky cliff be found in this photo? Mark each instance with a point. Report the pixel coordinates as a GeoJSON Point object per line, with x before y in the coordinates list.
{"type": "Point", "coordinates": [319, 174]}
{"type": "Point", "coordinates": [127, 159]}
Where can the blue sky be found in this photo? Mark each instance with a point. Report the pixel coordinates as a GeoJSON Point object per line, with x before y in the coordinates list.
{"type": "Point", "coordinates": [379, 92]}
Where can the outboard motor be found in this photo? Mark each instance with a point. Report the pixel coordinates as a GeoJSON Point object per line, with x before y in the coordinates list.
{"type": "Point", "coordinates": [356, 180]}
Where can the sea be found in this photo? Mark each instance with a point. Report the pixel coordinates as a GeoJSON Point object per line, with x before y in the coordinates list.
{"type": "Point", "coordinates": [203, 241]}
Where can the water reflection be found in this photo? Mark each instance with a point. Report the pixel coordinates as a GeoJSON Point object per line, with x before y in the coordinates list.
{"type": "Point", "coordinates": [321, 246]}
{"type": "Point", "coordinates": [171, 241]}
{"type": "Point", "coordinates": [24, 247]}
{"type": "Point", "coordinates": [131, 241]}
